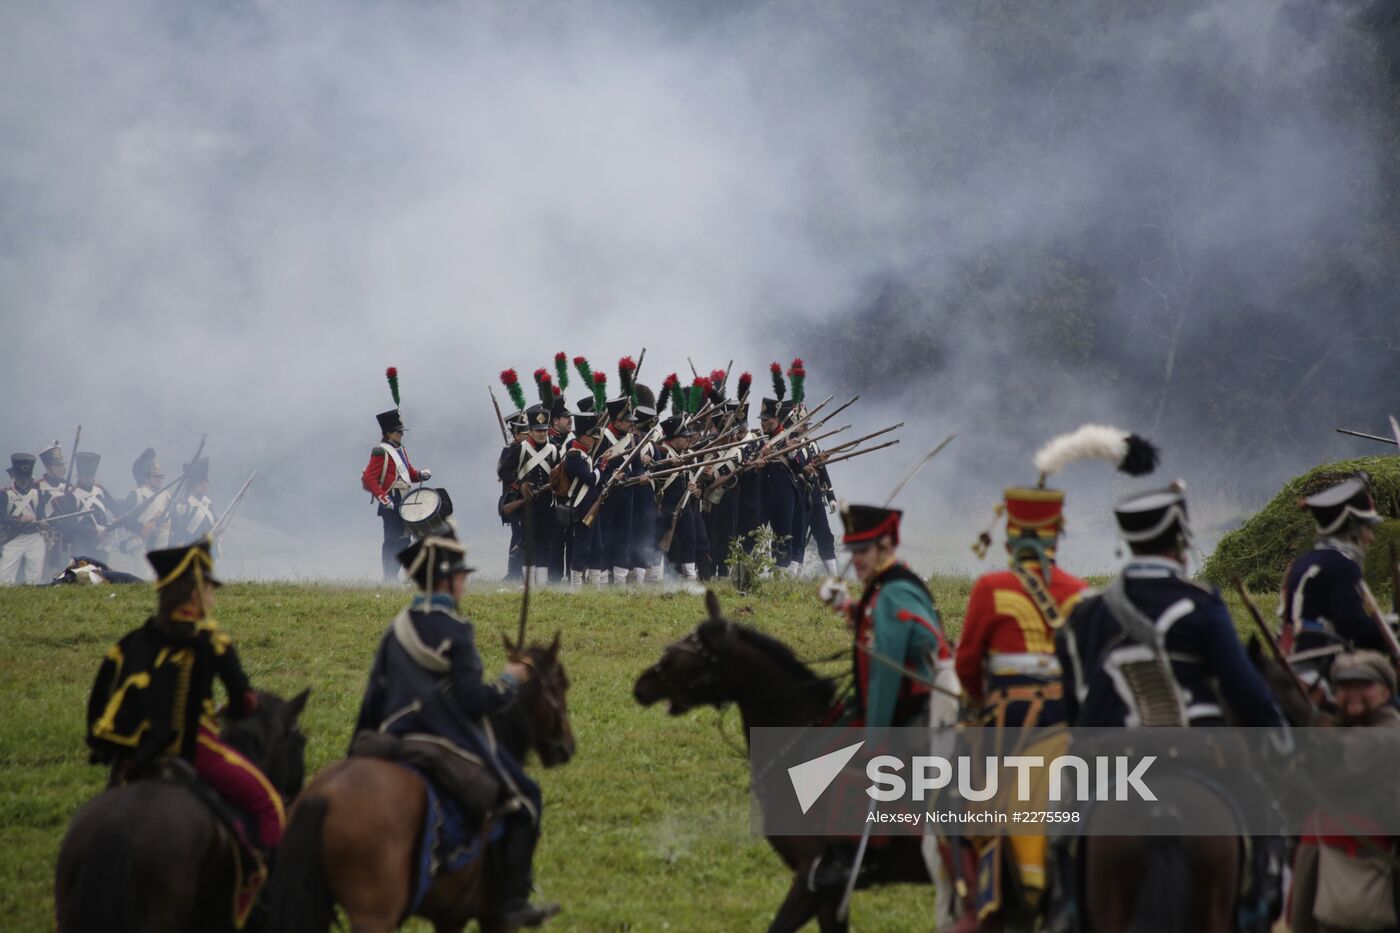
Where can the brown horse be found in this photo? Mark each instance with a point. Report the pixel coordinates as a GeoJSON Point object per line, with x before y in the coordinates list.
{"type": "Point", "coordinates": [1170, 883]}
{"type": "Point", "coordinates": [721, 663]}
{"type": "Point", "coordinates": [151, 856]}
{"type": "Point", "coordinates": [355, 833]}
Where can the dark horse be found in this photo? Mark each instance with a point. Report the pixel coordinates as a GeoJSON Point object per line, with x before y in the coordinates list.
{"type": "Point", "coordinates": [1170, 883]}
{"type": "Point", "coordinates": [722, 662]}
{"type": "Point", "coordinates": [151, 856]}
{"type": "Point", "coordinates": [355, 833]}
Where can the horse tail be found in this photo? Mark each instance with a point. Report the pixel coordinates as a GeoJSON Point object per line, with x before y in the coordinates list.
{"type": "Point", "coordinates": [100, 898]}
{"type": "Point", "coordinates": [298, 898]}
{"type": "Point", "coordinates": [1164, 896]}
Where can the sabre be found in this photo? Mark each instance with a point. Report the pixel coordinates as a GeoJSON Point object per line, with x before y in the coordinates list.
{"type": "Point", "coordinates": [222, 522]}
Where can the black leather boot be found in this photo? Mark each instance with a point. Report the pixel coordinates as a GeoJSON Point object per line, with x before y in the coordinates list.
{"type": "Point", "coordinates": [517, 857]}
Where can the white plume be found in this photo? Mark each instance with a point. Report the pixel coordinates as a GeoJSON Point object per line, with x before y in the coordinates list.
{"type": "Point", "coordinates": [1090, 442]}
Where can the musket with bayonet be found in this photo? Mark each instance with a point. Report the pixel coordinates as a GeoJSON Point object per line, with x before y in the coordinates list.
{"type": "Point", "coordinates": [141, 506]}
{"type": "Point", "coordinates": [1370, 437]}
{"type": "Point", "coordinates": [618, 472]}
{"type": "Point", "coordinates": [72, 460]}
{"type": "Point", "coordinates": [223, 519]}
{"type": "Point", "coordinates": [687, 463]}
{"type": "Point", "coordinates": [505, 435]}
{"type": "Point", "coordinates": [692, 478]}
{"type": "Point", "coordinates": [165, 516]}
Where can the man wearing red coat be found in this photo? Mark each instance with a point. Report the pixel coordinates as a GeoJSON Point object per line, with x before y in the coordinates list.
{"type": "Point", "coordinates": [1006, 655]}
{"type": "Point", "coordinates": [387, 478]}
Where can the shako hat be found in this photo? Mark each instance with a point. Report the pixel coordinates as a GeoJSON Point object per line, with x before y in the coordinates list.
{"type": "Point", "coordinates": [867, 523]}
{"type": "Point", "coordinates": [433, 558]}
{"type": "Point", "coordinates": [21, 466]}
{"type": "Point", "coordinates": [85, 462]}
{"type": "Point", "coordinates": [143, 465]}
{"type": "Point", "coordinates": [389, 421]}
{"type": "Point", "coordinates": [174, 563]}
{"type": "Point", "coordinates": [52, 457]}
{"type": "Point", "coordinates": [537, 418]}
{"type": "Point", "coordinates": [1351, 498]}
{"type": "Point", "coordinates": [1147, 516]}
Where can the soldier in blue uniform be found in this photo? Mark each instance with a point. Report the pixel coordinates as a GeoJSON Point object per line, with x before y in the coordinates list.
{"type": "Point", "coordinates": [779, 486]}
{"type": "Point", "coordinates": [586, 557]}
{"type": "Point", "coordinates": [443, 691]}
{"type": "Point", "coordinates": [510, 506]}
{"type": "Point", "coordinates": [1154, 648]}
{"type": "Point", "coordinates": [1325, 602]}
{"type": "Point", "coordinates": [561, 434]}
{"type": "Point", "coordinates": [530, 462]}
{"type": "Point", "coordinates": [616, 513]}
{"type": "Point", "coordinates": [644, 510]}
{"type": "Point", "coordinates": [1173, 635]}
{"type": "Point", "coordinates": [679, 505]}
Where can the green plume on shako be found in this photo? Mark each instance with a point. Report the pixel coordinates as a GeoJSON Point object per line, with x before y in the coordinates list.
{"type": "Point", "coordinates": [392, 374]}
{"type": "Point", "coordinates": [584, 370]}
{"type": "Point", "coordinates": [512, 383]}
{"type": "Point", "coordinates": [600, 388]}
{"type": "Point", "coordinates": [561, 367]}
{"type": "Point", "coordinates": [797, 375]}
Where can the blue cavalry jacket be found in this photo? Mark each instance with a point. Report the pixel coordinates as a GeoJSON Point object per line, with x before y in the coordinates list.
{"type": "Point", "coordinates": [1322, 597]}
{"type": "Point", "coordinates": [1208, 663]}
{"type": "Point", "coordinates": [428, 678]}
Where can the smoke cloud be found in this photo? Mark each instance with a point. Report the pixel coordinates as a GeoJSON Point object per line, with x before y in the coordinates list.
{"type": "Point", "coordinates": [229, 218]}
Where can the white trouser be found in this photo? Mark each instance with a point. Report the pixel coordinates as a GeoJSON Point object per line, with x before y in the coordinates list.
{"type": "Point", "coordinates": [22, 559]}
{"type": "Point", "coordinates": [830, 566]}
{"type": "Point", "coordinates": [690, 571]}
{"type": "Point", "coordinates": [658, 573]}
{"type": "Point", "coordinates": [576, 578]}
{"type": "Point", "coordinates": [639, 574]}
{"type": "Point", "coordinates": [541, 577]}
{"type": "Point", "coordinates": [619, 575]}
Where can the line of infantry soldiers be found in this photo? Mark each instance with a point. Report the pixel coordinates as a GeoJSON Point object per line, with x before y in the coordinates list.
{"type": "Point", "coordinates": [1154, 647]}
{"type": "Point", "coordinates": [629, 453]}
{"type": "Point", "coordinates": [64, 513]}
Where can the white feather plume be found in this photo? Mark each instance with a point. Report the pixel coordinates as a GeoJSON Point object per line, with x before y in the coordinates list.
{"type": "Point", "coordinates": [1090, 442]}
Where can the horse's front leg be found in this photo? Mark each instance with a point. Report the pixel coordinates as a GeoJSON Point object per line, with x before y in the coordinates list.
{"type": "Point", "coordinates": [797, 908]}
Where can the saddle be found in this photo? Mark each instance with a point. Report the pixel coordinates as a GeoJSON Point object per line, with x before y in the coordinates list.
{"type": "Point", "coordinates": [464, 777]}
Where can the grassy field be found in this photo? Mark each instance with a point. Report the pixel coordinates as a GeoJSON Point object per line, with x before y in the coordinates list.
{"type": "Point", "coordinates": [646, 829]}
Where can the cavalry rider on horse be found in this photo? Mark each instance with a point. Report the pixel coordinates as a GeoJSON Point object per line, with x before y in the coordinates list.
{"type": "Point", "coordinates": [1156, 648]}
{"type": "Point", "coordinates": [153, 695]}
{"type": "Point", "coordinates": [1325, 604]}
{"type": "Point", "coordinates": [898, 638]}
{"type": "Point", "coordinates": [429, 679]}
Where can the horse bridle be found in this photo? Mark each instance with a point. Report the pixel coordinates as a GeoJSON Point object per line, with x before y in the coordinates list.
{"type": "Point", "coordinates": [692, 643]}
{"type": "Point", "coordinates": [555, 704]}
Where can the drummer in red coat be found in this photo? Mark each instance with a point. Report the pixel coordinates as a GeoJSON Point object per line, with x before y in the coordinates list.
{"type": "Point", "coordinates": [387, 478]}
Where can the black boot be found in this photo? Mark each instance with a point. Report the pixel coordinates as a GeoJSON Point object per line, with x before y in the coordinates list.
{"type": "Point", "coordinates": [833, 869]}
{"type": "Point", "coordinates": [517, 856]}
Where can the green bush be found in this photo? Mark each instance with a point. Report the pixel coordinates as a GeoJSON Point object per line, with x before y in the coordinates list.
{"type": "Point", "coordinates": [1260, 550]}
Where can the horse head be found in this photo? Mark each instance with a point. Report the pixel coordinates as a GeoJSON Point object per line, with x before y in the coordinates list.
{"type": "Point", "coordinates": [542, 720]}
{"type": "Point", "coordinates": [271, 738]}
{"type": "Point", "coordinates": [691, 671]}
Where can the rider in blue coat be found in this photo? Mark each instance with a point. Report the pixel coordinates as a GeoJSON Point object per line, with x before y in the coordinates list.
{"type": "Point", "coordinates": [1325, 605]}
{"type": "Point", "coordinates": [429, 678]}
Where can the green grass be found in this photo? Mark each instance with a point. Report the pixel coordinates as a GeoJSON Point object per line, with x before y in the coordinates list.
{"type": "Point", "coordinates": [646, 829]}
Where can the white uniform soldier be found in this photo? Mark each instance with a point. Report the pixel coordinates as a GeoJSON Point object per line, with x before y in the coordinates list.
{"type": "Point", "coordinates": [52, 487]}
{"type": "Point", "coordinates": [21, 505]}
{"type": "Point", "coordinates": [147, 529]}
{"type": "Point", "coordinates": [194, 518]}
